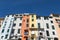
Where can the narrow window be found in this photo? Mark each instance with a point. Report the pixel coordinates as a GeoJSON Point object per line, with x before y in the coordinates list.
{"type": "Point", "coordinates": [12, 31]}
{"type": "Point", "coordinates": [47, 32]}
{"type": "Point", "coordinates": [20, 24]}
{"type": "Point", "coordinates": [8, 30]}
{"type": "Point", "coordinates": [6, 36]}
{"type": "Point", "coordinates": [20, 18]}
{"type": "Point", "coordinates": [47, 25]}
{"type": "Point", "coordinates": [27, 20]}
{"type": "Point", "coordinates": [18, 30]}
{"type": "Point", "coordinates": [53, 27]}
{"type": "Point", "coordinates": [38, 25]}
{"type": "Point", "coordinates": [2, 30]}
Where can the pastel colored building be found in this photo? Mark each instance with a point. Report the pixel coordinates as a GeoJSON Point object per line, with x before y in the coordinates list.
{"type": "Point", "coordinates": [56, 18]}
{"type": "Point", "coordinates": [29, 26]}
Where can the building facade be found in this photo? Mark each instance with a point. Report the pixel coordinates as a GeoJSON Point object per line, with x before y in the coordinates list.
{"type": "Point", "coordinates": [30, 27]}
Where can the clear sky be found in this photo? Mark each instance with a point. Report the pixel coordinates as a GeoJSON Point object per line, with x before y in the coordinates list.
{"type": "Point", "coordinates": [40, 7]}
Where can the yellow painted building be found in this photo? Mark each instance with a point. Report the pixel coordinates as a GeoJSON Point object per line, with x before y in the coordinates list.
{"type": "Point", "coordinates": [33, 28]}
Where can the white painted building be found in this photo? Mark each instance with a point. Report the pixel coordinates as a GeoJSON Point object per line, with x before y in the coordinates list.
{"type": "Point", "coordinates": [6, 28]}
{"type": "Point", "coordinates": [46, 30]}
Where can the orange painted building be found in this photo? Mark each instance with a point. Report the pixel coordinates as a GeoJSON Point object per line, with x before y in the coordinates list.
{"type": "Point", "coordinates": [25, 27]}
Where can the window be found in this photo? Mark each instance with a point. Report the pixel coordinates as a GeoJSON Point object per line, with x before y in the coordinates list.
{"type": "Point", "coordinates": [18, 30]}
{"type": "Point", "coordinates": [15, 18]}
{"type": "Point", "coordinates": [4, 25]}
{"type": "Point", "coordinates": [53, 27]}
{"type": "Point", "coordinates": [41, 34]}
{"type": "Point", "coordinates": [47, 32]}
{"type": "Point", "coordinates": [20, 18]}
{"type": "Point", "coordinates": [32, 19]}
{"type": "Point", "coordinates": [20, 24]}
{"type": "Point", "coordinates": [8, 30]}
{"type": "Point", "coordinates": [27, 20]}
{"type": "Point", "coordinates": [6, 36]}
{"type": "Point", "coordinates": [51, 21]}
{"type": "Point", "coordinates": [53, 33]}
{"type": "Point", "coordinates": [38, 25]}
{"type": "Point", "coordinates": [49, 38]}
{"type": "Point", "coordinates": [27, 25]}
{"type": "Point", "coordinates": [45, 18]}
{"type": "Point", "coordinates": [55, 38]}
{"type": "Point", "coordinates": [32, 38]}
{"type": "Point", "coordinates": [12, 31]}
{"type": "Point", "coordinates": [32, 25]}
{"type": "Point", "coordinates": [2, 30]}
{"type": "Point", "coordinates": [2, 37]}
{"type": "Point", "coordinates": [26, 32]}
{"type": "Point", "coordinates": [14, 24]}
{"type": "Point", "coordinates": [47, 25]}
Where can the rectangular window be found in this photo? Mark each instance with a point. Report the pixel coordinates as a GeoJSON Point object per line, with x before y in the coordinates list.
{"type": "Point", "coordinates": [26, 32]}
{"type": "Point", "coordinates": [38, 25]}
{"type": "Point", "coordinates": [8, 30]}
{"type": "Point", "coordinates": [15, 18]}
{"type": "Point", "coordinates": [47, 32]}
{"type": "Point", "coordinates": [47, 25]}
{"type": "Point", "coordinates": [20, 24]}
{"type": "Point", "coordinates": [27, 20]}
{"type": "Point", "coordinates": [18, 30]}
{"type": "Point", "coordinates": [32, 25]}
{"type": "Point", "coordinates": [2, 30]}
{"type": "Point", "coordinates": [12, 31]}
{"type": "Point", "coordinates": [6, 36]}
{"type": "Point", "coordinates": [53, 27]}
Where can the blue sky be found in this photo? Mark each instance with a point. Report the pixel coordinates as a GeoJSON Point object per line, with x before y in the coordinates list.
{"type": "Point", "coordinates": [39, 7]}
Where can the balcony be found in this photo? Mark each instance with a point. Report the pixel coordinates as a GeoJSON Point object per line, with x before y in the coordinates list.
{"type": "Point", "coordinates": [26, 33]}
{"type": "Point", "coordinates": [33, 28]}
{"type": "Point", "coordinates": [40, 29]}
